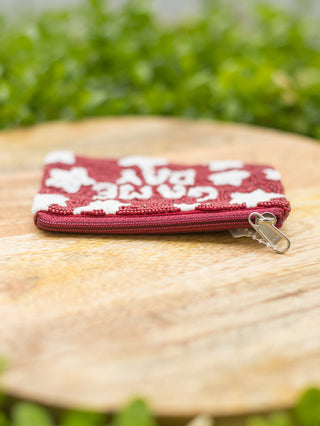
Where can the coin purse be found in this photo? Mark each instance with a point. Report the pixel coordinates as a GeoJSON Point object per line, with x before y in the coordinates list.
{"type": "Point", "coordinates": [136, 194]}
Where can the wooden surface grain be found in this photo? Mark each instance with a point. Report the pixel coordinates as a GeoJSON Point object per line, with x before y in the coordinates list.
{"type": "Point", "coordinates": [194, 323]}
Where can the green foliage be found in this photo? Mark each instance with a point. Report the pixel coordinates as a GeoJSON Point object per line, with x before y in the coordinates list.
{"type": "Point", "coordinates": [306, 413]}
{"type": "Point", "coordinates": [275, 419]}
{"type": "Point", "coordinates": [308, 408]}
{"type": "Point", "coordinates": [260, 67]}
{"type": "Point", "coordinates": [83, 418]}
{"type": "Point", "coordinates": [4, 420]}
{"type": "Point", "coordinates": [135, 414]}
{"type": "Point", "coordinates": [27, 414]}
{"type": "Point", "coordinates": [3, 365]}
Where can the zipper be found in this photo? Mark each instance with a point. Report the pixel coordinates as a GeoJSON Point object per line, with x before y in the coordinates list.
{"type": "Point", "coordinates": [264, 231]}
{"type": "Point", "coordinates": [134, 225]}
{"type": "Point", "coordinates": [262, 225]}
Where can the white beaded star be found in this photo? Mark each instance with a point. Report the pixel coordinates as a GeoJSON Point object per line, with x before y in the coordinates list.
{"type": "Point", "coordinates": [69, 180]}
{"type": "Point", "coordinates": [108, 206]}
{"type": "Point", "coordinates": [65, 157]}
{"type": "Point", "coordinates": [272, 174]}
{"type": "Point", "coordinates": [187, 207]}
{"type": "Point", "coordinates": [216, 166]}
{"type": "Point", "coordinates": [232, 177]}
{"type": "Point", "coordinates": [44, 201]}
{"type": "Point", "coordinates": [253, 198]}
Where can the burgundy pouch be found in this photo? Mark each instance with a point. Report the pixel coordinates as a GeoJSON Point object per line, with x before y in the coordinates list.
{"type": "Point", "coordinates": [150, 195]}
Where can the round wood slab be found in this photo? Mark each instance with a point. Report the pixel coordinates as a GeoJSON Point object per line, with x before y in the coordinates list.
{"type": "Point", "coordinates": [194, 323]}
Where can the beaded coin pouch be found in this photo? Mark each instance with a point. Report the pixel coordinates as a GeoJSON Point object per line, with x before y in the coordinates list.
{"type": "Point", "coordinates": [150, 195]}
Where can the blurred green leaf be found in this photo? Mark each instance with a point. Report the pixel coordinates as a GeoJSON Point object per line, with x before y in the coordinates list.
{"type": "Point", "coordinates": [307, 410]}
{"type": "Point", "coordinates": [28, 414]}
{"type": "Point", "coordinates": [83, 418]}
{"type": "Point", "coordinates": [257, 421]}
{"type": "Point", "coordinates": [4, 420]}
{"type": "Point", "coordinates": [275, 419]}
{"type": "Point", "coordinates": [134, 414]}
{"type": "Point", "coordinates": [280, 419]}
{"type": "Point", "coordinates": [3, 365]}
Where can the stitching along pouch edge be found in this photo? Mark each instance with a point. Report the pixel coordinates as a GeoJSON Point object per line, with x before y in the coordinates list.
{"type": "Point", "coordinates": [136, 194]}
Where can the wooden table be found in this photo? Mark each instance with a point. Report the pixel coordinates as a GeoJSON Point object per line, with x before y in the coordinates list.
{"type": "Point", "coordinates": [194, 323]}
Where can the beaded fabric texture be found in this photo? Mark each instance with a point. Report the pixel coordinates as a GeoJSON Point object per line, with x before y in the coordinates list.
{"type": "Point", "coordinates": [82, 189]}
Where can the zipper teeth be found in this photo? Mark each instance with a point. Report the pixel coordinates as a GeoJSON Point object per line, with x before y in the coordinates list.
{"type": "Point", "coordinates": [192, 224]}
{"type": "Point", "coordinates": [126, 227]}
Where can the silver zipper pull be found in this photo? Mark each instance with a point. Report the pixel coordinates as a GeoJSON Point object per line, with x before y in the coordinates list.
{"type": "Point", "coordinates": [263, 224]}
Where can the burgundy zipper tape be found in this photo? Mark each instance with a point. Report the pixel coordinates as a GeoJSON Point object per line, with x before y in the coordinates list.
{"type": "Point", "coordinates": [171, 223]}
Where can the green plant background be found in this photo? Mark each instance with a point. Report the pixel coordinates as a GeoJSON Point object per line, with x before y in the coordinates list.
{"type": "Point", "coordinates": [137, 413]}
{"type": "Point", "coordinates": [257, 64]}
{"type": "Point", "coordinates": [261, 66]}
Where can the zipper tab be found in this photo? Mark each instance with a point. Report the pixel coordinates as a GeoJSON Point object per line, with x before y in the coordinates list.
{"type": "Point", "coordinates": [264, 225]}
